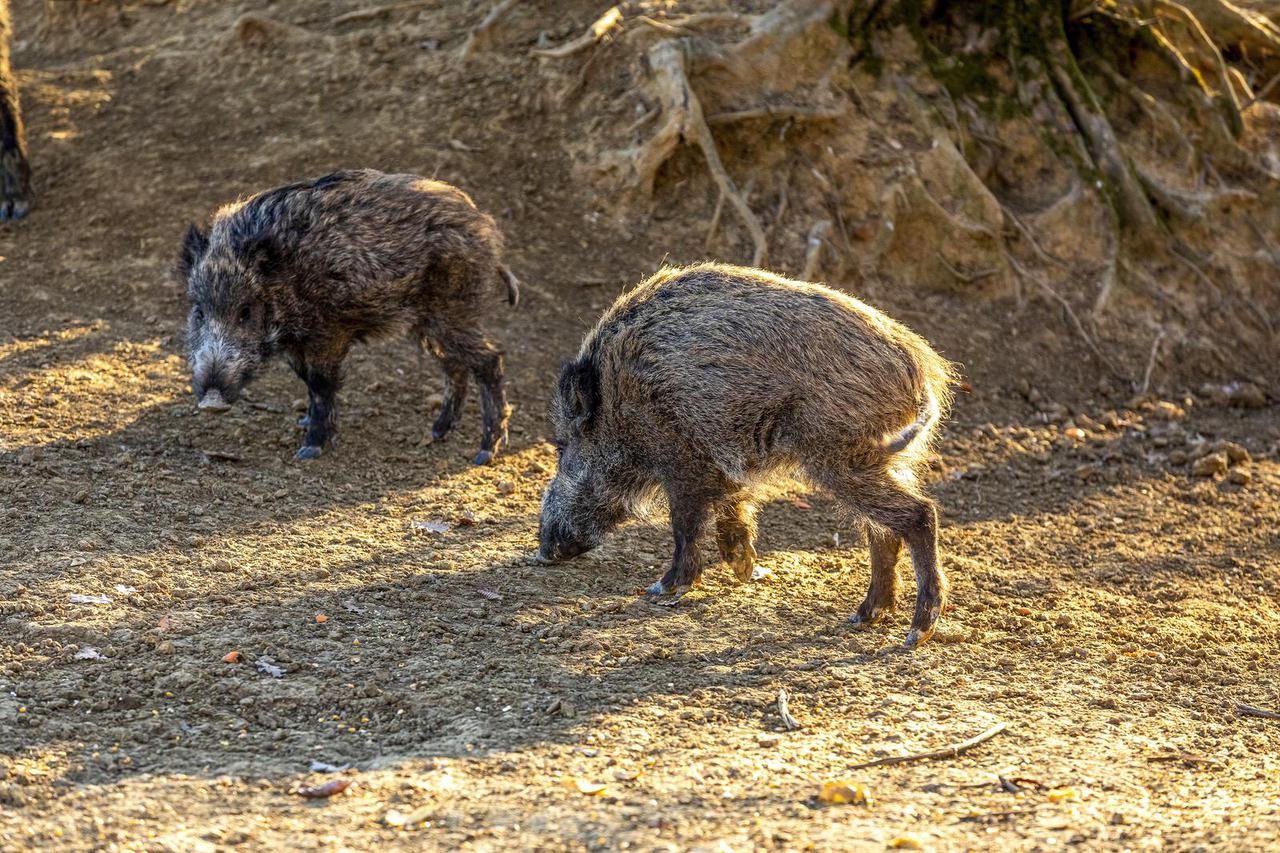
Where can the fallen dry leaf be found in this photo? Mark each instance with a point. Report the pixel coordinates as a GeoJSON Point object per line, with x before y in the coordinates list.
{"type": "Point", "coordinates": [591, 789]}
{"type": "Point", "coordinates": [465, 518]}
{"type": "Point", "coordinates": [321, 618]}
{"type": "Point", "coordinates": [907, 842]}
{"type": "Point", "coordinates": [838, 793]}
{"type": "Point", "coordinates": [233, 656]}
{"type": "Point", "coordinates": [800, 503]}
{"type": "Point", "coordinates": [328, 789]}
{"type": "Point", "coordinates": [397, 818]}
{"type": "Point", "coordinates": [1061, 795]}
{"type": "Point", "coordinates": [623, 775]}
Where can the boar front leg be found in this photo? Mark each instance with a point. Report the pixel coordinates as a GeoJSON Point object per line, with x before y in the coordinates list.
{"type": "Point", "coordinates": [736, 535]}
{"type": "Point", "coordinates": [323, 376]}
{"type": "Point", "coordinates": [690, 512]}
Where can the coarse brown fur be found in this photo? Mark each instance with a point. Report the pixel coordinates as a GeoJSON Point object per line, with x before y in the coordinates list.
{"type": "Point", "coordinates": [704, 381]}
{"type": "Point", "coordinates": [310, 268]}
{"type": "Point", "coordinates": [15, 173]}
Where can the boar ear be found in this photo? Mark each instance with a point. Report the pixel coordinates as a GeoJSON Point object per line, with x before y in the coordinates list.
{"type": "Point", "coordinates": [579, 389]}
{"type": "Point", "coordinates": [262, 255]}
{"type": "Point", "coordinates": [194, 244]}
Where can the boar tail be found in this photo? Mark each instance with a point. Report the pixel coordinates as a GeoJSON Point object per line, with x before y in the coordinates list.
{"type": "Point", "coordinates": [929, 413]}
{"type": "Point", "coordinates": [513, 285]}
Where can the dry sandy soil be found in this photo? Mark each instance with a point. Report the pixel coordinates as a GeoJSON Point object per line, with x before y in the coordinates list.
{"type": "Point", "coordinates": [1109, 606]}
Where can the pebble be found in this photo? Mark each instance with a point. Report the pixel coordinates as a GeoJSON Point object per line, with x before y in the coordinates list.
{"type": "Point", "coordinates": [1240, 477]}
{"type": "Point", "coordinates": [1210, 466]}
{"type": "Point", "coordinates": [768, 739]}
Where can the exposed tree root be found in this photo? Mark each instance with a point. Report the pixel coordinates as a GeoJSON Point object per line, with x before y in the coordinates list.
{"type": "Point", "coordinates": [683, 120]}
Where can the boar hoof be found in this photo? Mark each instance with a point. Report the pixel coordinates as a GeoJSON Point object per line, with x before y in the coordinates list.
{"type": "Point", "coordinates": [438, 432]}
{"type": "Point", "coordinates": [310, 451]}
{"type": "Point", "coordinates": [676, 594]}
{"type": "Point", "coordinates": [869, 616]}
{"type": "Point", "coordinates": [656, 588]}
{"type": "Point", "coordinates": [917, 636]}
{"type": "Point", "coordinates": [304, 421]}
{"type": "Point", "coordinates": [484, 457]}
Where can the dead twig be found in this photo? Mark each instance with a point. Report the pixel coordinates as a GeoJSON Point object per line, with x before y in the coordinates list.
{"type": "Point", "coordinates": [966, 278]}
{"type": "Point", "coordinates": [484, 30]}
{"type": "Point", "coordinates": [378, 11]}
{"type": "Point", "coordinates": [602, 26]}
{"type": "Point", "coordinates": [778, 111]}
{"type": "Point", "coordinates": [813, 254]}
{"type": "Point", "coordinates": [1262, 93]}
{"type": "Point", "coordinates": [946, 752]}
{"type": "Point", "coordinates": [1250, 711]}
{"type": "Point", "coordinates": [1151, 361]}
{"type": "Point", "coordinates": [1023, 272]}
{"type": "Point", "coordinates": [715, 222]}
{"type": "Point", "coordinates": [783, 712]}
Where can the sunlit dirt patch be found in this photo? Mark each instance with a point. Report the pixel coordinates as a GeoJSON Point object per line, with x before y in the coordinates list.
{"type": "Point", "coordinates": [78, 397]}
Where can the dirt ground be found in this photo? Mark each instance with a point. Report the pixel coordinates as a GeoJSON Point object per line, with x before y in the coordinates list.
{"type": "Point", "coordinates": [1110, 606]}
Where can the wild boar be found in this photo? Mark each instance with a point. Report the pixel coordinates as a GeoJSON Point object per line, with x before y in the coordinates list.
{"type": "Point", "coordinates": [310, 268]}
{"type": "Point", "coordinates": [15, 173]}
{"type": "Point", "coordinates": [704, 381]}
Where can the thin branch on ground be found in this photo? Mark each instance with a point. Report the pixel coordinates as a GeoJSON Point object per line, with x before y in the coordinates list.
{"type": "Point", "coordinates": [946, 752]}
{"type": "Point", "coordinates": [1250, 711]}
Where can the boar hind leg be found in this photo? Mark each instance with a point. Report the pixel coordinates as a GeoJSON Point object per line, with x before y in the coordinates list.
{"type": "Point", "coordinates": [456, 379]}
{"type": "Point", "coordinates": [484, 361]}
{"type": "Point", "coordinates": [912, 518]}
{"type": "Point", "coordinates": [883, 592]}
{"type": "Point", "coordinates": [15, 174]}
{"type": "Point", "coordinates": [735, 537]}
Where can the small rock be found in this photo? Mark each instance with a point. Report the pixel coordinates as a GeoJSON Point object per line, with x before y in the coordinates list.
{"type": "Point", "coordinates": [1163, 410]}
{"type": "Point", "coordinates": [1240, 476]}
{"type": "Point", "coordinates": [1246, 395]}
{"type": "Point", "coordinates": [1178, 457]}
{"type": "Point", "coordinates": [299, 405]}
{"type": "Point", "coordinates": [506, 487]}
{"type": "Point", "coordinates": [768, 739]}
{"type": "Point", "coordinates": [1211, 465]}
{"type": "Point", "coordinates": [1236, 453]}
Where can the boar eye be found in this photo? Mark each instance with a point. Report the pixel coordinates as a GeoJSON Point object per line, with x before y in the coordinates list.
{"type": "Point", "coordinates": [246, 314]}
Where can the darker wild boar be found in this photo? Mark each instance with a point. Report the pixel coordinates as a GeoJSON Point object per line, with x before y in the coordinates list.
{"type": "Point", "coordinates": [706, 380]}
{"type": "Point", "coordinates": [310, 268]}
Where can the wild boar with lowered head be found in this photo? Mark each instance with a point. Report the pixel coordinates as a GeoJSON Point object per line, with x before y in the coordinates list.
{"type": "Point", "coordinates": [310, 268]}
{"type": "Point", "coordinates": [706, 380]}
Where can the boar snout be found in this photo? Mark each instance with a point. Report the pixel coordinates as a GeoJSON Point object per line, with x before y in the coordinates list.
{"type": "Point", "coordinates": [213, 403]}
{"type": "Point", "coordinates": [557, 542]}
